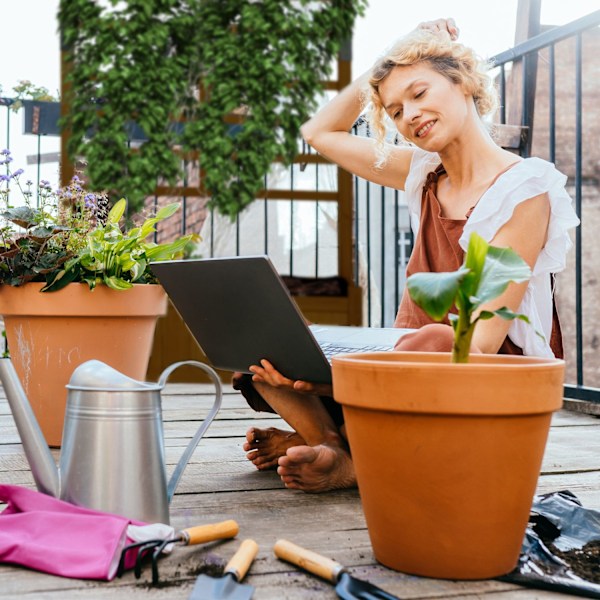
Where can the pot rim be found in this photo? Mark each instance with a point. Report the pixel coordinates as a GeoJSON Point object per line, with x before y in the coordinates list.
{"type": "Point", "coordinates": [442, 360]}
{"type": "Point", "coordinates": [428, 383]}
{"type": "Point", "coordinates": [76, 299]}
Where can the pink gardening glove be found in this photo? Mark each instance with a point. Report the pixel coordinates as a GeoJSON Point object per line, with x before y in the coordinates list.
{"type": "Point", "coordinates": [46, 534]}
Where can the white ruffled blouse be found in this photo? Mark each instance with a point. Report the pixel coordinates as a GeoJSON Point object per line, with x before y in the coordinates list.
{"type": "Point", "coordinates": [528, 178]}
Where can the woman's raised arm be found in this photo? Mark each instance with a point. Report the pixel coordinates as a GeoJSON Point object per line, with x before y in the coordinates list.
{"type": "Point", "coordinates": [328, 132]}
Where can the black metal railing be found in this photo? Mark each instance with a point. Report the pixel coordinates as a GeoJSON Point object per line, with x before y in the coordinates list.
{"type": "Point", "coordinates": [545, 48]}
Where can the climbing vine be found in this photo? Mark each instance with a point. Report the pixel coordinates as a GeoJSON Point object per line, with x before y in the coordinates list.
{"type": "Point", "coordinates": [176, 68]}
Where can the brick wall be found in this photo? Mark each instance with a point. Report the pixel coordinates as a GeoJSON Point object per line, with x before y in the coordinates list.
{"type": "Point", "coordinates": [188, 219]}
{"type": "Point", "coordinates": [565, 106]}
{"type": "Point", "coordinates": [191, 215]}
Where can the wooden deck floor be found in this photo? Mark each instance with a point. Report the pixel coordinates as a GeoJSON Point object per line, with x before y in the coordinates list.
{"type": "Point", "coordinates": [221, 484]}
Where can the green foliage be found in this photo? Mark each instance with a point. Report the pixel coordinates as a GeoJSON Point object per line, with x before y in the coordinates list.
{"type": "Point", "coordinates": [484, 275]}
{"type": "Point", "coordinates": [25, 90]}
{"type": "Point", "coordinates": [71, 236]}
{"type": "Point", "coordinates": [143, 61]}
{"type": "Point", "coordinates": [116, 258]}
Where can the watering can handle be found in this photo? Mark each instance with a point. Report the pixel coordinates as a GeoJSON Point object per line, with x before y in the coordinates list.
{"type": "Point", "coordinates": [183, 461]}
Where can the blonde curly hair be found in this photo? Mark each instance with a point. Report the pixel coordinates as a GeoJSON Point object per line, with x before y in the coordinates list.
{"type": "Point", "coordinates": [454, 61]}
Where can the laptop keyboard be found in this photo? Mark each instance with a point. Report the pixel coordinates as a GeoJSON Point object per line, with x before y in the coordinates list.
{"type": "Point", "coordinates": [330, 350]}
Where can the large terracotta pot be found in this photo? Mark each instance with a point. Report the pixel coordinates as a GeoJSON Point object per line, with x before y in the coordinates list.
{"type": "Point", "coordinates": [447, 456]}
{"type": "Point", "coordinates": [49, 334]}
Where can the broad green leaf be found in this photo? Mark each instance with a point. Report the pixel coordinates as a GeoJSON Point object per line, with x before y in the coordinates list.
{"type": "Point", "coordinates": [117, 283]}
{"type": "Point", "coordinates": [475, 262]}
{"type": "Point", "coordinates": [166, 211]}
{"type": "Point", "coordinates": [508, 315]}
{"type": "Point", "coordinates": [134, 233]}
{"type": "Point", "coordinates": [138, 270]}
{"type": "Point", "coordinates": [92, 281]}
{"type": "Point", "coordinates": [502, 266]}
{"type": "Point", "coordinates": [167, 251]}
{"type": "Point", "coordinates": [61, 280]}
{"type": "Point", "coordinates": [126, 262]}
{"type": "Point", "coordinates": [42, 233]}
{"type": "Point", "coordinates": [23, 216]}
{"type": "Point", "coordinates": [117, 211]}
{"type": "Point", "coordinates": [148, 228]}
{"type": "Point", "coordinates": [435, 293]}
{"type": "Point", "coordinates": [485, 315]}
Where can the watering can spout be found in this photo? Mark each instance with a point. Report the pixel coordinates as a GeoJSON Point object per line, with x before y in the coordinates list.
{"type": "Point", "coordinates": [43, 468]}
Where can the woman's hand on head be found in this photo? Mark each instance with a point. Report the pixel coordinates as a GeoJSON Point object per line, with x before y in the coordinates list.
{"type": "Point", "coordinates": [267, 373]}
{"type": "Point", "coordinates": [441, 26]}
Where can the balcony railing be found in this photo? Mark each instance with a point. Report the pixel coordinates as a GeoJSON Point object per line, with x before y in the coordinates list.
{"type": "Point", "coordinates": [567, 51]}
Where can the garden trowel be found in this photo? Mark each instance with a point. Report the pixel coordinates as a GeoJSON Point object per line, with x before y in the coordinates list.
{"type": "Point", "coordinates": [228, 586]}
{"type": "Point", "coordinates": [346, 586]}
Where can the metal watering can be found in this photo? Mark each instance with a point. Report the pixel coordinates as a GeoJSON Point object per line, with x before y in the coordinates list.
{"type": "Point", "coordinates": [112, 456]}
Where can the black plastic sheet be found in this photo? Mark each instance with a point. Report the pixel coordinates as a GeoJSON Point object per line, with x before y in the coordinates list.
{"type": "Point", "coordinates": [554, 554]}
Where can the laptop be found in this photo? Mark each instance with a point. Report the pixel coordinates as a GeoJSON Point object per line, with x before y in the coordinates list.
{"type": "Point", "coordinates": [239, 311]}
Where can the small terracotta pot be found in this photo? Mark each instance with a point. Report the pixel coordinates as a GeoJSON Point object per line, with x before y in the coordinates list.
{"type": "Point", "coordinates": [49, 334]}
{"type": "Point", "coordinates": [447, 456]}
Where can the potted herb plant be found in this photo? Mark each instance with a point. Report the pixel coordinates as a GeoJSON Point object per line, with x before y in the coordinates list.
{"type": "Point", "coordinates": [448, 448]}
{"type": "Point", "coordinates": [73, 287]}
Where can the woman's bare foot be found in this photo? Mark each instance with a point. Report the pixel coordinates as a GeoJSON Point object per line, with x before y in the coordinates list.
{"type": "Point", "coordinates": [265, 446]}
{"type": "Point", "coordinates": [317, 468]}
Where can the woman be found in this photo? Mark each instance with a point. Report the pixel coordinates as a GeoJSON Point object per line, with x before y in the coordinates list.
{"type": "Point", "coordinates": [457, 180]}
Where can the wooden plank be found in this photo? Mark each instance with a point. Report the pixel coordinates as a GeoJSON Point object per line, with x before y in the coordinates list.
{"type": "Point", "coordinates": [569, 449]}
{"type": "Point", "coordinates": [521, 106]}
{"type": "Point", "coordinates": [583, 406]}
{"type": "Point", "coordinates": [586, 486]}
{"type": "Point", "coordinates": [572, 449]}
{"type": "Point", "coordinates": [567, 417]}
{"type": "Point", "coordinates": [241, 476]}
{"type": "Point", "coordinates": [511, 137]}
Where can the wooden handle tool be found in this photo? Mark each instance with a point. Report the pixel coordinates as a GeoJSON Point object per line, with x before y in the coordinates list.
{"type": "Point", "coordinates": [209, 533]}
{"type": "Point", "coordinates": [240, 562]}
{"type": "Point", "coordinates": [308, 560]}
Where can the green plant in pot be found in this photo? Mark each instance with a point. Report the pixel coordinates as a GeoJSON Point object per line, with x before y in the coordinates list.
{"type": "Point", "coordinates": [485, 275]}
{"type": "Point", "coordinates": [448, 484]}
{"type": "Point", "coordinates": [75, 286]}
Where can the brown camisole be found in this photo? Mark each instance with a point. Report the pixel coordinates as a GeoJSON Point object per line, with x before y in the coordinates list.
{"type": "Point", "coordinates": [437, 249]}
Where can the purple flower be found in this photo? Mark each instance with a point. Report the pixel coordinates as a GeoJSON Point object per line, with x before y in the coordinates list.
{"type": "Point", "coordinates": [90, 200]}
{"type": "Point", "coordinates": [4, 177]}
{"type": "Point", "coordinates": [18, 173]}
{"type": "Point", "coordinates": [6, 152]}
{"type": "Point", "coordinates": [45, 185]}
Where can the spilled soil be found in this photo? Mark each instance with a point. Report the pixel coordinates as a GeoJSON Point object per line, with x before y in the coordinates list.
{"type": "Point", "coordinates": [584, 562]}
